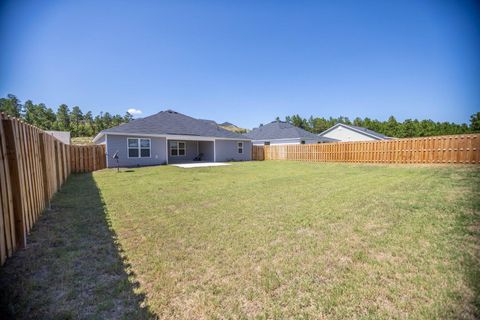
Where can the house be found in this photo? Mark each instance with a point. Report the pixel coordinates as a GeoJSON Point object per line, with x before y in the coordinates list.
{"type": "Point", "coordinates": [172, 137]}
{"type": "Point", "coordinates": [344, 132]}
{"type": "Point", "coordinates": [280, 132]}
{"type": "Point", "coordinates": [63, 136]}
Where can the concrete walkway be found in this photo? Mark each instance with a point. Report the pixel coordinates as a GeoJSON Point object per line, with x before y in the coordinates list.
{"type": "Point", "coordinates": [200, 164]}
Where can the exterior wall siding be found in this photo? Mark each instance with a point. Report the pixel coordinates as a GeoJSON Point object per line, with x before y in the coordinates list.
{"type": "Point", "coordinates": [226, 150]}
{"type": "Point", "coordinates": [345, 134]}
{"type": "Point", "coordinates": [116, 143]}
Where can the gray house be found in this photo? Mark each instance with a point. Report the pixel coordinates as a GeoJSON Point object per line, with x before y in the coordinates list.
{"type": "Point", "coordinates": [280, 132]}
{"type": "Point", "coordinates": [172, 137]}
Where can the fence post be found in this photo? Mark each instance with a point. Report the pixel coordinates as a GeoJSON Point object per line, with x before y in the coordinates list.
{"type": "Point", "coordinates": [43, 161]}
{"type": "Point", "coordinates": [18, 196]}
{"type": "Point", "coordinates": [6, 201]}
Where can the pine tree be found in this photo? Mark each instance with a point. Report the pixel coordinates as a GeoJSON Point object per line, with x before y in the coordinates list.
{"type": "Point", "coordinates": [11, 106]}
{"type": "Point", "coordinates": [76, 118]}
{"type": "Point", "coordinates": [63, 118]}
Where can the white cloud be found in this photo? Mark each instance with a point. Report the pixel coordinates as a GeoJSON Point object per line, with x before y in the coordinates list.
{"type": "Point", "coordinates": [134, 112]}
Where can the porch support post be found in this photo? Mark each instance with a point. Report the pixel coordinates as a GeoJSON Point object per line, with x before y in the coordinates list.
{"type": "Point", "coordinates": [166, 150]}
{"type": "Point", "coordinates": [214, 151]}
{"type": "Point", "coordinates": [106, 149]}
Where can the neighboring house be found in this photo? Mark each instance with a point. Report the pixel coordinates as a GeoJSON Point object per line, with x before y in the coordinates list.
{"type": "Point", "coordinates": [280, 132]}
{"type": "Point", "coordinates": [171, 137]}
{"type": "Point", "coordinates": [343, 132]}
{"type": "Point", "coordinates": [63, 136]}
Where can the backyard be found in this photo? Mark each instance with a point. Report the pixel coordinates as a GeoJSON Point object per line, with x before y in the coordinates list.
{"type": "Point", "coordinates": [271, 239]}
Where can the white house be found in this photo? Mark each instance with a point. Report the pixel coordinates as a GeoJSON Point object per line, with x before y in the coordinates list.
{"type": "Point", "coordinates": [343, 132]}
{"type": "Point", "coordinates": [63, 136]}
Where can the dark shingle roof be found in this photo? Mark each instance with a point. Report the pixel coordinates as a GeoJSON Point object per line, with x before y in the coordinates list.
{"type": "Point", "coordinates": [282, 130]}
{"type": "Point", "coordinates": [174, 123]}
{"type": "Point", "coordinates": [375, 134]}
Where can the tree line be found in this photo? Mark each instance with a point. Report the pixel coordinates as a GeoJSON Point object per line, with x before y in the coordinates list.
{"type": "Point", "coordinates": [392, 128]}
{"type": "Point", "coordinates": [86, 124]}
{"type": "Point", "coordinates": [80, 124]}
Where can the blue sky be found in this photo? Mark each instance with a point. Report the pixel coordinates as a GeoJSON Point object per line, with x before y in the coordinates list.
{"type": "Point", "coordinates": [246, 61]}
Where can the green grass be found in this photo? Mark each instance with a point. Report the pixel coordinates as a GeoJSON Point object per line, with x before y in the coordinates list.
{"type": "Point", "coordinates": [256, 240]}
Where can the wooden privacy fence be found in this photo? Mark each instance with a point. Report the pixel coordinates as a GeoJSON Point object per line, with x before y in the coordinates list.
{"type": "Point", "coordinates": [33, 166]}
{"type": "Point", "coordinates": [457, 149]}
{"type": "Point", "coordinates": [87, 158]}
{"type": "Point", "coordinates": [257, 153]}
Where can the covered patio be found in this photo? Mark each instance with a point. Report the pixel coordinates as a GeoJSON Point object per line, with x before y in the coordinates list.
{"type": "Point", "coordinates": [190, 151]}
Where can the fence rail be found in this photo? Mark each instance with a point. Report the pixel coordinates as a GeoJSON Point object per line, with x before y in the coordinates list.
{"type": "Point", "coordinates": [33, 166]}
{"type": "Point", "coordinates": [456, 149]}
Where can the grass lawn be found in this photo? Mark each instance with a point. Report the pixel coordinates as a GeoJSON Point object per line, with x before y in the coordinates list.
{"type": "Point", "coordinates": [255, 240]}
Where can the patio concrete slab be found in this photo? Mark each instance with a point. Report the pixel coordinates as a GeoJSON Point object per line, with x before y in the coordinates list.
{"type": "Point", "coordinates": [200, 164]}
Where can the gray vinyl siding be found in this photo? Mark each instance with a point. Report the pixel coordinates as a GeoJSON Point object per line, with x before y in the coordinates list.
{"type": "Point", "coordinates": [226, 150]}
{"type": "Point", "coordinates": [116, 143]}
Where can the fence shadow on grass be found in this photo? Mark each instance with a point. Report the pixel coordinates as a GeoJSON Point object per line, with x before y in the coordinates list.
{"type": "Point", "coordinates": [72, 266]}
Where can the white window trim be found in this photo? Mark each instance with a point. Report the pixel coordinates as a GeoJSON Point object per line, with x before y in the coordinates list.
{"type": "Point", "coordinates": [139, 148]}
{"type": "Point", "coordinates": [178, 144]}
{"type": "Point", "coordinates": [240, 145]}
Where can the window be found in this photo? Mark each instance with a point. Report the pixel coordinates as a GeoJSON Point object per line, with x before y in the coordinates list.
{"type": "Point", "coordinates": [145, 148]}
{"type": "Point", "coordinates": [266, 143]}
{"type": "Point", "coordinates": [240, 147]}
{"type": "Point", "coordinates": [178, 148]}
{"type": "Point", "coordinates": [138, 147]}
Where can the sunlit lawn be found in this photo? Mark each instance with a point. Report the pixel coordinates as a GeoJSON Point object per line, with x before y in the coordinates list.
{"type": "Point", "coordinates": [272, 240]}
{"type": "Point", "coordinates": [277, 239]}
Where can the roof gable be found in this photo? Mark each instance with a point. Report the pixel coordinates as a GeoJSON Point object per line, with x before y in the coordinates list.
{"type": "Point", "coordinates": [361, 130]}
